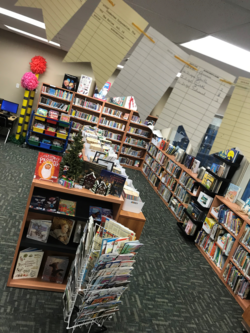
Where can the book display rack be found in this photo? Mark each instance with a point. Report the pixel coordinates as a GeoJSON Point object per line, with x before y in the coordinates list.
{"type": "Point", "coordinates": [53, 246]}
{"type": "Point", "coordinates": [120, 125]}
{"type": "Point", "coordinates": [208, 245]}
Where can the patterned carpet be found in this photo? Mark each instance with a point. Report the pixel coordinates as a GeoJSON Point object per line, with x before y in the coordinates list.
{"type": "Point", "coordinates": [173, 288]}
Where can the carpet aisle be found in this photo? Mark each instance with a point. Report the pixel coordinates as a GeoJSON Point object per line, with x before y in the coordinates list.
{"type": "Point", "coordinates": [173, 288]}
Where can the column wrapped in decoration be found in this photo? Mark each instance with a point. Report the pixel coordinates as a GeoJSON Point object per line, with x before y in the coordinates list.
{"type": "Point", "coordinates": [38, 66]}
{"type": "Point", "coordinates": [29, 82]}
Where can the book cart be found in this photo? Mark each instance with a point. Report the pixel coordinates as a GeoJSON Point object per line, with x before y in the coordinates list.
{"type": "Point", "coordinates": [86, 110]}
{"type": "Point", "coordinates": [219, 200]}
{"type": "Point", "coordinates": [84, 198]}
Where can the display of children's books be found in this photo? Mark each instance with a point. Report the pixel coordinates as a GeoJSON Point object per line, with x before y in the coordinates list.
{"type": "Point", "coordinates": [232, 192]}
{"type": "Point", "coordinates": [107, 212]}
{"type": "Point", "coordinates": [38, 202]}
{"type": "Point", "coordinates": [61, 229]}
{"type": "Point", "coordinates": [84, 85]}
{"type": "Point", "coordinates": [80, 225]}
{"type": "Point", "coordinates": [96, 213]}
{"type": "Point", "coordinates": [28, 264]}
{"type": "Point", "coordinates": [91, 173]}
{"type": "Point", "coordinates": [67, 207]}
{"type": "Point", "coordinates": [55, 269]}
{"type": "Point", "coordinates": [102, 95]}
{"type": "Point", "coordinates": [208, 180]}
{"type": "Point", "coordinates": [39, 230]}
{"type": "Point", "coordinates": [47, 167]}
{"type": "Point", "coordinates": [51, 204]}
{"type": "Point", "coordinates": [70, 82]}
{"type": "Point", "coordinates": [118, 100]}
{"type": "Point", "coordinates": [229, 154]}
{"type": "Point", "coordinates": [116, 181]}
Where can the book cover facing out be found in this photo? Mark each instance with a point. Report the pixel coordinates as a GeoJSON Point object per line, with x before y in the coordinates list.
{"type": "Point", "coordinates": [47, 167]}
{"type": "Point", "coordinates": [70, 82]}
{"type": "Point", "coordinates": [117, 182]}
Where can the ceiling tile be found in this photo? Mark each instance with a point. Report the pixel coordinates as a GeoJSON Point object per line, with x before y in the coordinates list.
{"type": "Point", "coordinates": [208, 16]}
{"type": "Point", "coordinates": [242, 3]}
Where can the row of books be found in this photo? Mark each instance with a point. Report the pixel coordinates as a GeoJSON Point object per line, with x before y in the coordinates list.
{"type": "Point", "coordinates": [245, 239]}
{"type": "Point", "coordinates": [211, 183]}
{"type": "Point", "coordinates": [161, 157]}
{"type": "Point", "coordinates": [152, 177]}
{"type": "Point", "coordinates": [115, 147]}
{"type": "Point", "coordinates": [112, 135]}
{"type": "Point", "coordinates": [53, 204]}
{"type": "Point", "coordinates": [210, 247]}
{"type": "Point", "coordinates": [230, 219]}
{"type": "Point", "coordinates": [195, 212]}
{"type": "Point", "coordinates": [53, 104]}
{"type": "Point", "coordinates": [188, 226]}
{"type": "Point", "coordinates": [169, 181]}
{"type": "Point", "coordinates": [138, 131]}
{"type": "Point", "coordinates": [58, 93]}
{"type": "Point", "coordinates": [85, 116]}
{"type": "Point", "coordinates": [127, 161]}
{"type": "Point", "coordinates": [182, 194]}
{"type": "Point", "coordinates": [176, 207]}
{"type": "Point", "coordinates": [112, 112]}
{"type": "Point", "coordinates": [135, 142]}
{"type": "Point", "coordinates": [164, 191]}
{"type": "Point", "coordinates": [156, 167]}
{"type": "Point", "coordinates": [242, 258]}
{"type": "Point", "coordinates": [174, 169]}
{"type": "Point", "coordinates": [149, 160]}
{"type": "Point", "coordinates": [187, 181]}
{"type": "Point", "coordinates": [77, 126]}
{"type": "Point", "coordinates": [152, 149]}
{"type": "Point", "coordinates": [236, 281]}
{"type": "Point", "coordinates": [112, 123]}
{"type": "Point", "coordinates": [146, 169]}
{"type": "Point", "coordinates": [132, 152]}
{"type": "Point", "coordinates": [137, 120]}
{"type": "Point", "coordinates": [86, 104]}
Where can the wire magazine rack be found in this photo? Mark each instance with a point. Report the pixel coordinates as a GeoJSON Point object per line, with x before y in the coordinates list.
{"type": "Point", "coordinates": [80, 284]}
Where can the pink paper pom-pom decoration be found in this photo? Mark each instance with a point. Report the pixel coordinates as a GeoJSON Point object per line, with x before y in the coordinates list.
{"type": "Point", "coordinates": [38, 65]}
{"type": "Point", "coordinates": [29, 81]}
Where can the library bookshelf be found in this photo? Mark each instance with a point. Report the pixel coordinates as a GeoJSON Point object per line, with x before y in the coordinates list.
{"type": "Point", "coordinates": [219, 200]}
{"type": "Point", "coordinates": [86, 110]}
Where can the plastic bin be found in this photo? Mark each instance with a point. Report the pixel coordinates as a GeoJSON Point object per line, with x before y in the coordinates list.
{"type": "Point", "coordinates": [56, 148]}
{"type": "Point", "coordinates": [45, 145]}
{"type": "Point", "coordinates": [51, 121]}
{"type": "Point", "coordinates": [50, 133]}
{"type": "Point", "coordinates": [38, 130]}
{"type": "Point", "coordinates": [37, 117]}
{"type": "Point", "coordinates": [61, 136]}
{"type": "Point", "coordinates": [34, 143]}
{"type": "Point", "coordinates": [132, 206]}
{"type": "Point", "coordinates": [63, 124]}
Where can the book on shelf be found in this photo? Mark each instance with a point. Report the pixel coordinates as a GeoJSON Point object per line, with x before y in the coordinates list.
{"type": "Point", "coordinates": [204, 200]}
{"type": "Point", "coordinates": [47, 167]}
{"type": "Point", "coordinates": [53, 104]}
{"type": "Point", "coordinates": [208, 225]}
{"type": "Point", "coordinates": [226, 242]}
{"type": "Point", "coordinates": [229, 154]}
{"type": "Point", "coordinates": [232, 192]}
{"type": "Point", "coordinates": [239, 284]}
{"type": "Point", "coordinates": [55, 269]}
{"type": "Point", "coordinates": [208, 181]}
{"type": "Point", "coordinates": [245, 238]}
{"type": "Point", "coordinates": [39, 230]}
{"type": "Point", "coordinates": [190, 228]}
{"type": "Point", "coordinates": [112, 124]}
{"type": "Point", "coordinates": [87, 104]}
{"type": "Point", "coordinates": [84, 85]}
{"type": "Point", "coordinates": [28, 264]}
{"type": "Point", "coordinates": [79, 228]}
{"type": "Point", "coordinates": [61, 229]}
{"type": "Point", "coordinates": [195, 212]}
{"type": "Point", "coordinates": [116, 181]}
{"type": "Point", "coordinates": [67, 207]}
{"type": "Point", "coordinates": [139, 131]}
{"type": "Point", "coordinates": [117, 100]}
{"type": "Point", "coordinates": [70, 82]}
{"type": "Point", "coordinates": [57, 92]}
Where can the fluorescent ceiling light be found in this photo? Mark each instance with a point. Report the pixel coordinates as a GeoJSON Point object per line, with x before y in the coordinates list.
{"type": "Point", "coordinates": [178, 75]}
{"type": "Point", "coordinates": [218, 49]}
{"type": "Point", "coordinates": [23, 18]}
{"type": "Point", "coordinates": [31, 35]}
{"type": "Point", "coordinates": [120, 66]}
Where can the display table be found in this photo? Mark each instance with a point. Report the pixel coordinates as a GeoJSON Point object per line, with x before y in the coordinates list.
{"type": "Point", "coordinates": [84, 199]}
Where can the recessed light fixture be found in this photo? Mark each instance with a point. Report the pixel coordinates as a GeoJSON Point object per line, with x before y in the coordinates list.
{"type": "Point", "coordinates": [218, 49]}
{"type": "Point", "coordinates": [31, 35]}
{"type": "Point", "coordinates": [178, 75]}
{"type": "Point", "coordinates": [120, 66]}
{"type": "Point", "coordinates": [23, 18]}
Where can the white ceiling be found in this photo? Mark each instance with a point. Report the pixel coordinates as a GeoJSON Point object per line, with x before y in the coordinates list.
{"type": "Point", "coordinates": [178, 20]}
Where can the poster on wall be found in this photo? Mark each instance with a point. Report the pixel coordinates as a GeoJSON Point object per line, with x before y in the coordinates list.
{"type": "Point", "coordinates": [47, 167]}
{"type": "Point", "coordinates": [102, 95]}
{"type": "Point", "coordinates": [84, 85]}
{"type": "Point", "coordinates": [70, 82]}
{"type": "Point", "coordinates": [130, 103]}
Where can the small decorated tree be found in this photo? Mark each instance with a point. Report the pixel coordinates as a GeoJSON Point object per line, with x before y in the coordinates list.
{"type": "Point", "coordinates": [71, 165]}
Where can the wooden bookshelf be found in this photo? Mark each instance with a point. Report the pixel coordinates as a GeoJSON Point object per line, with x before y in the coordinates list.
{"type": "Point", "coordinates": [101, 114]}
{"type": "Point", "coordinates": [219, 200]}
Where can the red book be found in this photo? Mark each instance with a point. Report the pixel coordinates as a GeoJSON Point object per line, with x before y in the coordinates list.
{"type": "Point", "coordinates": [47, 167]}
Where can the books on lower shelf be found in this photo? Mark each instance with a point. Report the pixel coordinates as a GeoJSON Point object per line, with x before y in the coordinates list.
{"type": "Point", "coordinates": [169, 181]}
{"type": "Point", "coordinates": [136, 142]}
{"type": "Point", "coordinates": [149, 160]}
{"type": "Point", "coordinates": [28, 264]}
{"type": "Point", "coordinates": [55, 269]}
{"type": "Point", "coordinates": [113, 112]}
{"type": "Point", "coordinates": [156, 167]}
{"type": "Point", "coordinates": [57, 92]}
{"type": "Point", "coordinates": [242, 258]}
{"type": "Point", "coordinates": [164, 192]}
{"type": "Point", "coordinates": [112, 135]}
{"type": "Point", "coordinates": [115, 147]}
{"type": "Point", "coordinates": [111, 123]}
{"type": "Point", "coordinates": [153, 178]}
{"type": "Point", "coordinates": [132, 152]}
{"type": "Point", "coordinates": [239, 284]}
{"type": "Point", "coordinates": [161, 157]}
{"type": "Point", "coordinates": [173, 168]}
{"type": "Point", "coordinates": [182, 194]}
{"type": "Point", "coordinates": [152, 149]}
{"type": "Point", "coordinates": [245, 238]}
{"type": "Point", "coordinates": [84, 116]}
{"type": "Point", "coordinates": [176, 207]}
{"type": "Point", "coordinates": [187, 181]}
{"type": "Point", "coordinates": [39, 230]}
{"type": "Point", "coordinates": [146, 169]}
{"type": "Point", "coordinates": [53, 104]}
{"type": "Point", "coordinates": [128, 161]}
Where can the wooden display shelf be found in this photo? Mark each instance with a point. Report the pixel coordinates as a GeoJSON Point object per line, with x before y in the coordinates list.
{"type": "Point", "coordinates": [139, 136]}
{"type": "Point", "coordinates": [86, 108]}
{"type": "Point", "coordinates": [209, 260]}
{"type": "Point", "coordinates": [56, 97]}
{"type": "Point", "coordinates": [111, 128]}
{"type": "Point", "coordinates": [135, 157]}
{"type": "Point", "coordinates": [139, 147]}
{"type": "Point", "coordinates": [37, 284]}
{"type": "Point", "coordinates": [52, 108]}
{"type": "Point", "coordinates": [104, 114]}
{"type": "Point", "coordinates": [132, 221]}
